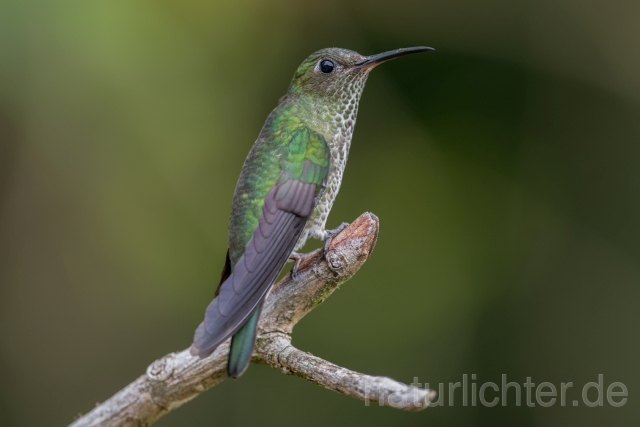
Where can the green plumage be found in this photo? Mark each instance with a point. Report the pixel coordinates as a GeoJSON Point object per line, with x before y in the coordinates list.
{"type": "Point", "coordinates": [281, 151]}
{"type": "Point", "coordinates": [242, 346]}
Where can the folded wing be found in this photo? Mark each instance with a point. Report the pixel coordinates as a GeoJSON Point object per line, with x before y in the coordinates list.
{"type": "Point", "coordinates": [286, 209]}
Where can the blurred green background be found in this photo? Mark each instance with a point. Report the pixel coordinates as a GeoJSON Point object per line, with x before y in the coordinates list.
{"type": "Point", "coordinates": [503, 167]}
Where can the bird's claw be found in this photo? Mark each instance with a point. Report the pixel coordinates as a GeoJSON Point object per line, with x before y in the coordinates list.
{"type": "Point", "coordinates": [330, 234]}
{"type": "Point", "coordinates": [296, 258]}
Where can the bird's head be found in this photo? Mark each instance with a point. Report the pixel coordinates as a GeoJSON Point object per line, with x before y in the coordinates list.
{"type": "Point", "coordinates": [339, 72]}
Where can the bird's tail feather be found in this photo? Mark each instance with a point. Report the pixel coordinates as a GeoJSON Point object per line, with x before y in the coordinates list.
{"type": "Point", "coordinates": [242, 344]}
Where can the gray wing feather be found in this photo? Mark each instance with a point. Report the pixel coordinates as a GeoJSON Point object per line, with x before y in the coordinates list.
{"type": "Point", "coordinates": [285, 212]}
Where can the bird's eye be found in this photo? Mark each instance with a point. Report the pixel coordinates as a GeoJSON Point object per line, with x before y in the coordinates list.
{"type": "Point", "coordinates": [327, 66]}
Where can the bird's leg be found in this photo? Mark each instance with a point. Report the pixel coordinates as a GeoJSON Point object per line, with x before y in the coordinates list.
{"type": "Point", "coordinates": [296, 258]}
{"type": "Point", "coordinates": [330, 234]}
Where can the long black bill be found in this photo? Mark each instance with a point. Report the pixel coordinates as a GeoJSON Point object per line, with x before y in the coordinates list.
{"type": "Point", "coordinates": [385, 56]}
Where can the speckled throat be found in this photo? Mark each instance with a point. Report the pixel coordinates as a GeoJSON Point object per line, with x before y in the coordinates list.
{"type": "Point", "coordinates": [335, 118]}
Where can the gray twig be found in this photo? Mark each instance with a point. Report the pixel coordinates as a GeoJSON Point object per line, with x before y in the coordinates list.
{"type": "Point", "coordinates": [179, 377]}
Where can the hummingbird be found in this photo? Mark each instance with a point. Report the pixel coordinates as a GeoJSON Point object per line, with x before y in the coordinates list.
{"type": "Point", "coordinates": [285, 191]}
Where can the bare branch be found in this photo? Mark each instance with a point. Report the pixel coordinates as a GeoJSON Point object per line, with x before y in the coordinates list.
{"type": "Point", "coordinates": [179, 377]}
{"type": "Point", "coordinates": [278, 352]}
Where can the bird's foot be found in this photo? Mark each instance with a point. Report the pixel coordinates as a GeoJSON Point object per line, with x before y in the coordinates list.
{"type": "Point", "coordinates": [296, 258]}
{"type": "Point", "coordinates": [330, 234]}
